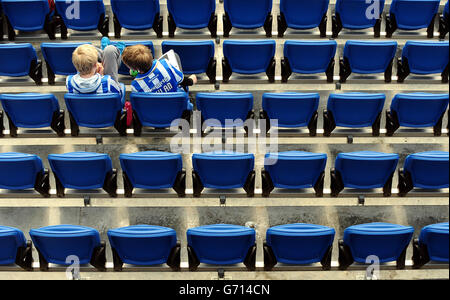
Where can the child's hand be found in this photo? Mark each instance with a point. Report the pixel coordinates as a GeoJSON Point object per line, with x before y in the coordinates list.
{"type": "Point", "coordinates": [100, 69]}
{"type": "Point", "coordinates": [194, 78]}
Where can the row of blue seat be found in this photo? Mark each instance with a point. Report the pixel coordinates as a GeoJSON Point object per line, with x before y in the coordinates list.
{"type": "Point", "coordinates": [244, 14]}
{"type": "Point", "coordinates": [293, 170]}
{"type": "Point", "coordinates": [224, 244]}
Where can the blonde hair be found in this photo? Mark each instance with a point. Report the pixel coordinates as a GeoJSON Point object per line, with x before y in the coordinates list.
{"type": "Point", "coordinates": [85, 58]}
{"type": "Point", "coordinates": [138, 57]}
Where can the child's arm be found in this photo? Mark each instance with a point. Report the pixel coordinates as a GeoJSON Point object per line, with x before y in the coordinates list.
{"type": "Point", "coordinates": [189, 81]}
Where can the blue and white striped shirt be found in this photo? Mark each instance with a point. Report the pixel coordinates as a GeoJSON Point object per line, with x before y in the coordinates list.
{"type": "Point", "coordinates": [162, 78]}
{"type": "Point", "coordinates": [96, 84]}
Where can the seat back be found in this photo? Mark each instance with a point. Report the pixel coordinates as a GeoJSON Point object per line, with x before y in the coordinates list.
{"type": "Point", "coordinates": [358, 14]}
{"type": "Point", "coordinates": [18, 171]}
{"type": "Point", "coordinates": [26, 15]}
{"type": "Point", "coordinates": [15, 59]}
{"type": "Point", "coordinates": [123, 69]}
{"type": "Point", "coordinates": [195, 56]}
{"type": "Point", "coordinates": [369, 57]}
{"type": "Point", "coordinates": [426, 57]}
{"type": "Point", "coordinates": [221, 244]}
{"type": "Point", "coordinates": [10, 240]}
{"type": "Point", "coordinates": [135, 14]}
{"type": "Point", "coordinates": [249, 57]}
{"type": "Point", "coordinates": [435, 237]}
{"type": "Point", "coordinates": [414, 14]}
{"type": "Point", "coordinates": [247, 14]}
{"type": "Point", "coordinates": [309, 57]}
{"type": "Point", "coordinates": [191, 14]}
{"type": "Point", "coordinates": [303, 14]}
{"type": "Point", "coordinates": [59, 57]}
{"type": "Point", "coordinates": [89, 19]}
{"type": "Point", "coordinates": [428, 170]}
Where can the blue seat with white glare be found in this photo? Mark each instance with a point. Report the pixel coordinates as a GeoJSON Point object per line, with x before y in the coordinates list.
{"type": "Point", "coordinates": [426, 170]}
{"type": "Point", "coordinates": [247, 14]}
{"type": "Point", "coordinates": [298, 244]}
{"type": "Point", "coordinates": [424, 58]}
{"type": "Point", "coordinates": [357, 15]}
{"type": "Point", "coordinates": [362, 243]}
{"type": "Point", "coordinates": [444, 22]}
{"type": "Point", "coordinates": [153, 170]}
{"type": "Point", "coordinates": [353, 110]}
{"type": "Point", "coordinates": [22, 171]}
{"type": "Point", "coordinates": [293, 170]}
{"type": "Point", "coordinates": [432, 245]}
{"type": "Point", "coordinates": [14, 248]}
{"type": "Point", "coordinates": [249, 58]}
{"type": "Point", "coordinates": [417, 110]}
{"type": "Point", "coordinates": [290, 110]}
{"type": "Point", "coordinates": [412, 15]}
{"type": "Point", "coordinates": [367, 57]}
{"type": "Point", "coordinates": [62, 244]}
{"type": "Point", "coordinates": [303, 14]}
{"type": "Point", "coordinates": [308, 57]}
{"type": "Point", "coordinates": [221, 244]}
{"type": "Point", "coordinates": [96, 111]}
{"type": "Point", "coordinates": [191, 15]}
{"type": "Point", "coordinates": [363, 170]}
{"type": "Point", "coordinates": [197, 57]}
{"type": "Point", "coordinates": [223, 170]}
{"type": "Point", "coordinates": [123, 69]}
{"type": "Point", "coordinates": [137, 15]}
{"type": "Point", "coordinates": [17, 60]}
{"type": "Point", "coordinates": [144, 245]}
{"type": "Point", "coordinates": [91, 16]}
{"type": "Point", "coordinates": [83, 171]}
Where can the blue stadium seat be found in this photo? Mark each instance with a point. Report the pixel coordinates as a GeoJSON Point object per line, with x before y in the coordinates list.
{"type": "Point", "coordinates": [303, 14]}
{"type": "Point", "coordinates": [417, 110]}
{"type": "Point", "coordinates": [18, 60]}
{"type": "Point", "coordinates": [353, 14]}
{"type": "Point", "coordinates": [444, 22]}
{"type": "Point", "coordinates": [366, 57]}
{"type": "Point", "coordinates": [32, 110]}
{"type": "Point", "coordinates": [123, 69]}
{"type": "Point", "coordinates": [298, 244]}
{"type": "Point", "coordinates": [424, 58]}
{"type": "Point", "coordinates": [153, 170]}
{"type": "Point", "coordinates": [223, 170]}
{"type": "Point", "coordinates": [426, 170]}
{"type": "Point", "coordinates": [83, 171]}
{"type": "Point", "coordinates": [92, 16]}
{"type": "Point", "coordinates": [1, 22]}
{"type": "Point", "coordinates": [144, 245]}
{"type": "Point", "coordinates": [96, 111]}
{"type": "Point", "coordinates": [291, 110]}
{"type": "Point", "coordinates": [353, 110]}
{"type": "Point", "coordinates": [137, 15]}
{"type": "Point", "coordinates": [221, 244]}
{"type": "Point", "coordinates": [293, 170]}
{"type": "Point", "coordinates": [432, 245]}
{"type": "Point", "coordinates": [196, 57]}
{"type": "Point", "coordinates": [192, 15]}
{"type": "Point", "coordinates": [308, 57]}
{"type": "Point", "coordinates": [20, 171]}
{"type": "Point", "coordinates": [29, 15]}
{"type": "Point", "coordinates": [247, 14]}
{"type": "Point", "coordinates": [62, 244]}
{"type": "Point", "coordinates": [386, 241]}
{"type": "Point", "coordinates": [15, 249]}
{"type": "Point", "coordinates": [248, 57]}
{"type": "Point", "coordinates": [225, 109]}
{"type": "Point", "coordinates": [412, 15]}
{"type": "Point", "coordinates": [363, 170]}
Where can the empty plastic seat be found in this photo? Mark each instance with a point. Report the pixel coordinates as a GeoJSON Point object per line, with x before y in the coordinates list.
{"type": "Point", "coordinates": [14, 248]}
{"type": "Point", "coordinates": [136, 15]}
{"type": "Point", "coordinates": [388, 242]}
{"type": "Point", "coordinates": [412, 15]}
{"type": "Point", "coordinates": [308, 57]}
{"type": "Point", "coordinates": [223, 170]}
{"type": "Point", "coordinates": [123, 69]}
{"type": "Point", "coordinates": [247, 14]}
{"type": "Point", "coordinates": [424, 58]}
{"type": "Point", "coordinates": [291, 110]}
{"type": "Point", "coordinates": [426, 170]}
{"type": "Point", "coordinates": [32, 110]}
{"type": "Point", "coordinates": [298, 244]}
{"type": "Point", "coordinates": [18, 60]}
{"type": "Point", "coordinates": [444, 22]}
{"type": "Point", "coordinates": [293, 170]}
{"type": "Point", "coordinates": [364, 57]}
{"type": "Point", "coordinates": [303, 14]}
{"type": "Point", "coordinates": [432, 245]}
{"type": "Point", "coordinates": [417, 110]}
{"type": "Point", "coordinates": [363, 170]}
{"type": "Point", "coordinates": [357, 15]}
{"type": "Point", "coordinates": [144, 245]}
{"type": "Point", "coordinates": [248, 57]}
{"type": "Point", "coordinates": [221, 244]}
{"type": "Point", "coordinates": [192, 15]}
{"type": "Point", "coordinates": [83, 171]}
{"type": "Point", "coordinates": [64, 244]}
{"type": "Point", "coordinates": [153, 170]}
{"type": "Point", "coordinates": [353, 110]}
{"type": "Point", "coordinates": [21, 171]}
{"type": "Point", "coordinates": [196, 57]}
